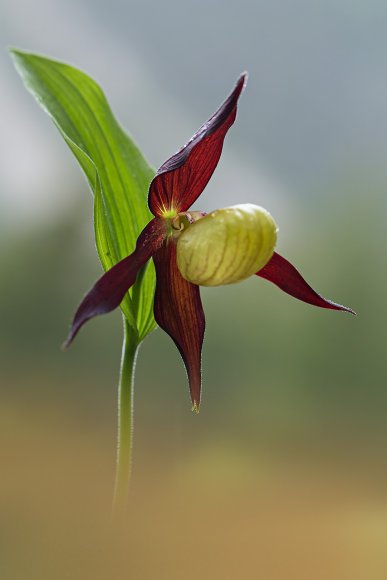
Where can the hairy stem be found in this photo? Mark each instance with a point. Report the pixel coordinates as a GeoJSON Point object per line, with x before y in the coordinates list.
{"type": "Point", "coordinates": [125, 421]}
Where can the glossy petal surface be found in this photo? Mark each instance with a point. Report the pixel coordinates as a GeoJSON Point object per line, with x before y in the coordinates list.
{"type": "Point", "coordinates": [182, 178]}
{"type": "Point", "coordinates": [284, 275]}
{"type": "Point", "coordinates": [178, 310]}
{"type": "Point", "coordinates": [109, 291]}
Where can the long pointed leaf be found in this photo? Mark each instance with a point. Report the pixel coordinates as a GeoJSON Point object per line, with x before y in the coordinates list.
{"type": "Point", "coordinates": [117, 173]}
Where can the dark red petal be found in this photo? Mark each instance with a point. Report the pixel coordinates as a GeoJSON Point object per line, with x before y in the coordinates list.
{"type": "Point", "coordinates": [181, 179]}
{"type": "Point", "coordinates": [109, 291]}
{"type": "Point", "coordinates": [178, 310]}
{"type": "Point", "coordinates": [285, 276]}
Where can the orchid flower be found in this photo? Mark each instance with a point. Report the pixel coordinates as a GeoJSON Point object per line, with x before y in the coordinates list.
{"type": "Point", "coordinates": [191, 248]}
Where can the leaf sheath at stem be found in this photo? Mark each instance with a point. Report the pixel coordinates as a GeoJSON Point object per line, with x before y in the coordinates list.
{"type": "Point", "coordinates": [125, 421]}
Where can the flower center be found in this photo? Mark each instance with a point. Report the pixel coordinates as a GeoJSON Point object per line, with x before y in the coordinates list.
{"type": "Point", "coordinates": [183, 220]}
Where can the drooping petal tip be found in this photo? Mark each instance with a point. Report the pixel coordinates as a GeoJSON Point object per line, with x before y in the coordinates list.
{"type": "Point", "coordinates": [284, 275]}
{"type": "Point", "coordinates": [178, 311]}
{"type": "Point", "coordinates": [196, 407]}
{"type": "Point", "coordinates": [109, 291]}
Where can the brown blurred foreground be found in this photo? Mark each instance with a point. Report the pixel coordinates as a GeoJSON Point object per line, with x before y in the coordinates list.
{"type": "Point", "coordinates": [283, 474]}
{"type": "Point", "coordinates": [218, 513]}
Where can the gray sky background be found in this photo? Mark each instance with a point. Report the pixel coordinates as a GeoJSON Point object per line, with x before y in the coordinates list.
{"type": "Point", "coordinates": [314, 109]}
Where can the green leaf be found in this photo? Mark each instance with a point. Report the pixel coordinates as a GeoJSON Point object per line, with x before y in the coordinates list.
{"type": "Point", "coordinates": [116, 171]}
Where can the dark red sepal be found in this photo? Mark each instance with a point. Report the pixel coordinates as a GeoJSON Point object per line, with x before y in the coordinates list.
{"type": "Point", "coordinates": [109, 291]}
{"type": "Point", "coordinates": [182, 178]}
{"type": "Point", "coordinates": [285, 276]}
{"type": "Point", "coordinates": [178, 311]}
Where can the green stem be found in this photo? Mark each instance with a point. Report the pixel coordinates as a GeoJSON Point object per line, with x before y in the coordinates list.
{"type": "Point", "coordinates": [125, 421]}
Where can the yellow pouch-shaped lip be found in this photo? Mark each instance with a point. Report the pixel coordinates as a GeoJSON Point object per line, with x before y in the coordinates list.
{"type": "Point", "coordinates": [227, 245]}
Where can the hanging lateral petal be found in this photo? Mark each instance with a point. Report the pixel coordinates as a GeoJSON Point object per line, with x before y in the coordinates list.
{"type": "Point", "coordinates": [109, 291]}
{"type": "Point", "coordinates": [182, 178]}
{"type": "Point", "coordinates": [284, 275]}
{"type": "Point", "coordinates": [178, 311]}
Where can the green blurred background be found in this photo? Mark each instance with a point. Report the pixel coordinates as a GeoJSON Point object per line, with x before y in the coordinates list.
{"type": "Point", "coordinates": [283, 474]}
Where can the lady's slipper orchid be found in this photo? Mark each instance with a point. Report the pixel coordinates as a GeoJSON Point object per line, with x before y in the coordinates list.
{"type": "Point", "coordinates": [191, 249]}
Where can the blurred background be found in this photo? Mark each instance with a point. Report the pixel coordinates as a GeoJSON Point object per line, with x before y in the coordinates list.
{"type": "Point", "coordinates": [283, 474]}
